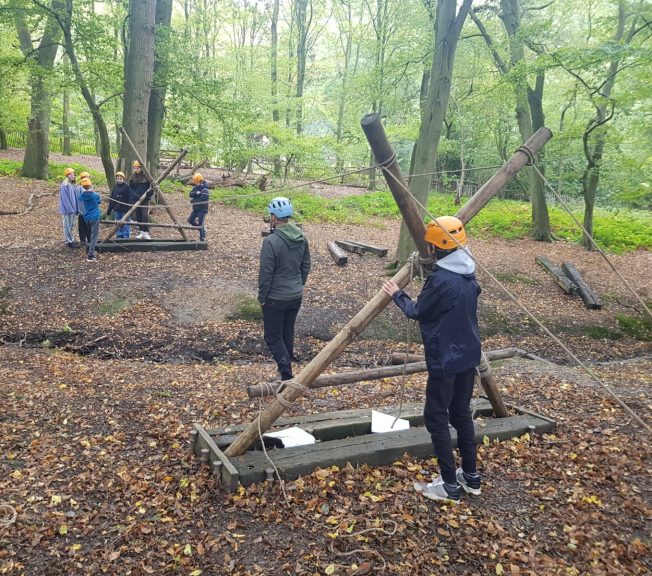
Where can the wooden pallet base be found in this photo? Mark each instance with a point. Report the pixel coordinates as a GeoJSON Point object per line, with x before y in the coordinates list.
{"type": "Point", "coordinates": [136, 245]}
{"type": "Point", "coordinates": [346, 437]}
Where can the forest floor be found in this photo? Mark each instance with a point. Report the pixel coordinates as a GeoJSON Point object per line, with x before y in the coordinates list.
{"type": "Point", "coordinates": [105, 366]}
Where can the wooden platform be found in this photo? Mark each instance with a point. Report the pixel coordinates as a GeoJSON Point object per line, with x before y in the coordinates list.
{"type": "Point", "coordinates": [346, 437]}
{"type": "Point", "coordinates": [137, 245]}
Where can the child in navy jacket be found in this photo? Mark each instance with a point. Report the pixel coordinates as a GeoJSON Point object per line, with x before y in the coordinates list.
{"type": "Point", "coordinates": [199, 197]}
{"type": "Point", "coordinates": [446, 310]}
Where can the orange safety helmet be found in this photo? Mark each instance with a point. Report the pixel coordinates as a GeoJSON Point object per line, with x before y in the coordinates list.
{"type": "Point", "coordinates": [136, 164]}
{"type": "Point", "coordinates": [84, 175]}
{"type": "Point", "coordinates": [68, 171]}
{"type": "Point", "coordinates": [197, 178]}
{"type": "Point", "coordinates": [440, 231]}
{"type": "Point", "coordinates": [120, 174]}
{"type": "Point", "coordinates": [85, 182]}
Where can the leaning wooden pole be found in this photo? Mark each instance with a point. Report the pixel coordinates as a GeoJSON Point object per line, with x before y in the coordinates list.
{"type": "Point", "coordinates": [147, 173]}
{"type": "Point", "coordinates": [125, 218]}
{"type": "Point", "coordinates": [356, 325]}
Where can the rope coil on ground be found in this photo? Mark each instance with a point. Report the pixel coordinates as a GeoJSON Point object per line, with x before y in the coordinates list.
{"type": "Point", "coordinates": [8, 514]}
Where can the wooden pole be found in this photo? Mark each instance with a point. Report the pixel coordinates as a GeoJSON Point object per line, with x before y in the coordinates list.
{"type": "Point", "coordinates": [143, 167]}
{"type": "Point", "coordinates": [380, 300]}
{"type": "Point", "coordinates": [153, 224]}
{"type": "Point", "coordinates": [142, 198]}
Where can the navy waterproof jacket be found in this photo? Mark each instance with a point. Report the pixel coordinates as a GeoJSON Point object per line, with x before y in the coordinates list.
{"type": "Point", "coordinates": [199, 197]}
{"type": "Point", "coordinates": [447, 311]}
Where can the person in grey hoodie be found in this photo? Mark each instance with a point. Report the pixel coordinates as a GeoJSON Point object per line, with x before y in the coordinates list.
{"type": "Point", "coordinates": [447, 312]}
{"type": "Point", "coordinates": [284, 267]}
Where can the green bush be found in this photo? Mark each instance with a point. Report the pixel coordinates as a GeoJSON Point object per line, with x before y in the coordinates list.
{"type": "Point", "coordinates": [639, 327]}
{"type": "Point", "coordinates": [248, 309]}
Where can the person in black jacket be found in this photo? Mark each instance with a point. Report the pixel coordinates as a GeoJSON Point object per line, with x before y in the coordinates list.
{"type": "Point", "coordinates": [199, 197]}
{"type": "Point", "coordinates": [447, 313]}
{"type": "Point", "coordinates": [139, 184]}
{"type": "Point", "coordinates": [284, 267]}
{"type": "Point", "coordinates": [119, 204]}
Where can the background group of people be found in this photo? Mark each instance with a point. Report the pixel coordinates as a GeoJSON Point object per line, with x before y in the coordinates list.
{"type": "Point", "coordinates": [76, 202]}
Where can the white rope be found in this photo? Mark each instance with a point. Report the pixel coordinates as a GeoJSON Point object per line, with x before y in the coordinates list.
{"type": "Point", "coordinates": [590, 372]}
{"type": "Point", "coordinates": [8, 514]}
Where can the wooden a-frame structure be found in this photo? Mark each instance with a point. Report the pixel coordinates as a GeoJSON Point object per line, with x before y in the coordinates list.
{"type": "Point", "coordinates": [222, 458]}
{"type": "Point", "coordinates": [110, 244]}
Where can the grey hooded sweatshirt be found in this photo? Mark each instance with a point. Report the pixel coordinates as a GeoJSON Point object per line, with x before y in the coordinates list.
{"type": "Point", "coordinates": [284, 264]}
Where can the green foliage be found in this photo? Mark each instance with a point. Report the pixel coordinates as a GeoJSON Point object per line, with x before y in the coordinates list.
{"type": "Point", "coordinates": [598, 332]}
{"type": "Point", "coordinates": [248, 309]}
{"type": "Point", "coordinates": [55, 169]}
{"type": "Point", "coordinates": [639, 327]}
{"type": "Point", "coordinates": [113, 304]}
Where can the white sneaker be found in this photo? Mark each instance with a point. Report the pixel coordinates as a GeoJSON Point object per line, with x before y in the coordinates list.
{"type": "Point", "coordinates": [140, 235]}
{"type": "Point", "coordinates": [437, 490]}
{"type": "Point", "coordinates": [146, 236]}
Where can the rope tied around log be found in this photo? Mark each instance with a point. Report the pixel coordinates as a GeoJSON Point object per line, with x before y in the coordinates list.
{"type": "Point", "coordinates": [530, 155]}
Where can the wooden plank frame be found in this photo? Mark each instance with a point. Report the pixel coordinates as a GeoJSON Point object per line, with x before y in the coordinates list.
{"type": "Point", "coordinates": [344, 437]}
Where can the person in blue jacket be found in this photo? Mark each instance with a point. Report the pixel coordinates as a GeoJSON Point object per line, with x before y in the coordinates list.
{"type": "Point", "coordinates": [446, 310]}
{"type": "Point", "coordinates": [283, 271]}
{"type": "Point", "coordinates": [199, 197]}
{"type": "Point", "coordinates": [91, 201]}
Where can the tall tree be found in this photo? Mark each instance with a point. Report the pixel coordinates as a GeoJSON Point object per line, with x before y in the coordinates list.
{"type": "Point", "coordinates": [156, 109]}
{"type": "Point", "coordinates": [303, 19]}
{"type": "Point", "coordinates": [139, 74]}
{"type": "Point", "coordinates": [510, 15]}
{"type": "Point", "coordinates": [447, 27]}
{"type": "Point", "coordinates": [41, 59]}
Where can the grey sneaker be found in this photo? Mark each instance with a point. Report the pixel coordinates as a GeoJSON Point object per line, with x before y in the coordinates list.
{"type": "Point", "coordinates": [439, 490]}
{"type": "Point", "coordinates": [469, 482]}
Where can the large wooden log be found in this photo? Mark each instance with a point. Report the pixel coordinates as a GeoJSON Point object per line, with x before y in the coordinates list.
{"type": "Point", "coordinates": [337, 254]}
{"type": "Point", "coordinates": [152, 224]}
{"type": "Point", "coordinates": [270, 388]}
{"type": "Point", "coordinates": [140, 200]}
{"type": "Point", "coordinates": [564, 282]}
{"type": "Point", "coordinates": [376, 250]}
{"type": "Point", "coordinates": [588, 297]}
{"type": "Point", "coordinates": [350, 247]}
{"type": "Point", "coordinates": [386, 157]}
{"type": "Point", "coordinates": [492, 355]}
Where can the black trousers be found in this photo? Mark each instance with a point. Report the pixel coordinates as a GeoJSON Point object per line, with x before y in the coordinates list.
{"type": "Point", "coordinates": [447, 400]}
{"type": "Point", "coordinates": [84, 232]}
{"type": "Point", "coordinates": [279, 317]}
{"type": "Point", "coordinates": [142, 215]}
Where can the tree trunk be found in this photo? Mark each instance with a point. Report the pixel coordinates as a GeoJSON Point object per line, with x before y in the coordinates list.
{"type": "Point", "coordinates": [65, 125]}
{"type": "Point", "coordinates": [447, 29]}
{"type": "Point", "coordinates": [98, 119]}
{"type": "Point", "coordinates": [3, 139]}
{"type": "Point", "coordinates": [302, 37]}
{"type": "Point", "coordinates": [156, 110]}
{"type": "Point", "coordinates": [37, 148]}
{"type": "Point", "coordinates": [274, 76]}
{"type": "Point", "coordinates": [511, 17]}
{"type": "Point", "coordinates": [139, 73]}
{"type": "Point", "coordinates": [423, 101]}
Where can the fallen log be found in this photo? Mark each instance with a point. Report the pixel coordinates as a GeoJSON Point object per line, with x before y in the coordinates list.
{"type": "Point", "coordinates": [337, 254]}
{"type": "Point", "coordinates": [588, 297]}
{"type": "Point", "coordinates": [271, 388]}
{"type": "Point", "coordinates": [492, 355]}
{"type": "Point", "coordinates": [350, 247]}
{"type": "Point", "coordinates": [382, 252]}
{"type": "Point", "coordinates": [565, 283]}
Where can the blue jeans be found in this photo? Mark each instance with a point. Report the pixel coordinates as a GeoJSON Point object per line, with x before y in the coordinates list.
{"type": "Point", "coordinates": [196, 218]}
{"type": "Point", "coordinates": [447, 400]}
{"type": "Point", "coordinates": [93, 232]}
{"type": "Point", "coordinates": [123, 231]}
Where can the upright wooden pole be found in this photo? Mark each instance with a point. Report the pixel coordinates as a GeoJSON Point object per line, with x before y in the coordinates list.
{"type": "Point", "coordinates": [140, 200]}
{"type": "Point", "coordinates": [143, 167]}
{"type": "Point", "coordinates": [356, 325]}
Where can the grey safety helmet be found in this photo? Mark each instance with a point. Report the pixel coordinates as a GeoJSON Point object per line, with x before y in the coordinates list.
{"type": "Point", "coordinates": [281, 207]}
